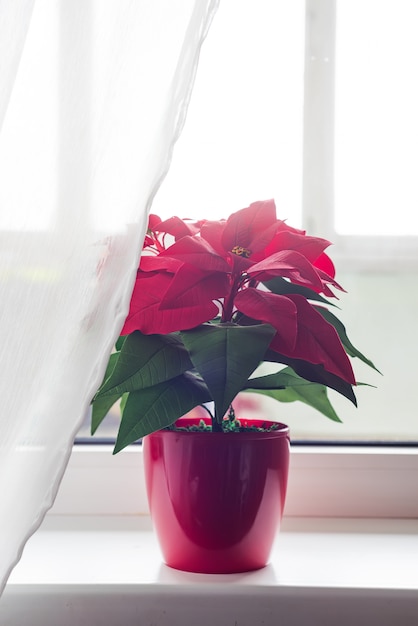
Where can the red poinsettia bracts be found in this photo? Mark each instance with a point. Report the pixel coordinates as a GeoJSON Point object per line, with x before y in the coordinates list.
{"type": "Point", "coordinates": [216, 271]}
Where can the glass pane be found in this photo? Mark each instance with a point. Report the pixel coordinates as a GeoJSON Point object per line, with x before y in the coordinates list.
{"type": "Point", "coordinates": [376, 134]}
{"type": "Point", "coordinates": [242, 140]}
{"type": "Point", "coordinates": [379, 311]}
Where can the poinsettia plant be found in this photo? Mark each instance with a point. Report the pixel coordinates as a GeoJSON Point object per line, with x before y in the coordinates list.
{"type": "Point", "coordinates": [212, 301]}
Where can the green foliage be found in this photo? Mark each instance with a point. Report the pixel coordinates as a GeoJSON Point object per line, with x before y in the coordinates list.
{"type": "Point", "coordinates": [340, 328]}
{"type": "Point", "coordinates": [160, 378]}
{"type": "Point", "coordinates": [282, 287]}
{"type": "Point", "coordinates": [159, 406]}
{"type": "Point", "coordinates": [287, 386]}
{"type": "Point", "coordinates": [314, 373]}
{"type": "Point", "coordinates": [102, 405]}
{"type": "Point", "coordinates": [225, 355]}
{"type": "Point", "coordinates": [145, 361]}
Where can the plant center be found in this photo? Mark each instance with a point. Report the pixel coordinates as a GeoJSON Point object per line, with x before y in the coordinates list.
{"type": "Point", "coordinates": [240, 251]}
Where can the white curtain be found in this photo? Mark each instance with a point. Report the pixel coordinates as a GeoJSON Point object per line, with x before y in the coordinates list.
{"type": "Point", "coordinates": [93, 94]}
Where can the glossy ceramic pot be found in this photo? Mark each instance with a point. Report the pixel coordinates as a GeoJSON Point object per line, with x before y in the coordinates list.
{"type": "Point", "coordinates": [216, 499]}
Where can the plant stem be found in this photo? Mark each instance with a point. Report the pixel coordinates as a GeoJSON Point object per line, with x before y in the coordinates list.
{"type": "Point", "coordinates": [216, 427]}
{"type": "Point", "coordinates": [228, 307]}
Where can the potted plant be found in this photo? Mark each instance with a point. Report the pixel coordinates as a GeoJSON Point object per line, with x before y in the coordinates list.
{"type": "Point", "coordinates": [212, 301]}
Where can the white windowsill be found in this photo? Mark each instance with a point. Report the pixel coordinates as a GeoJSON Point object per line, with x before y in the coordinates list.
{"type": "Point", "coordinates": [108, 570]}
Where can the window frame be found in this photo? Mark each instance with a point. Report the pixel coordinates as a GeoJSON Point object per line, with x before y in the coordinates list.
{"type": "Point", "coordinates": [353, 252]}
{"type": "Point", "coordinates": [324, 481]}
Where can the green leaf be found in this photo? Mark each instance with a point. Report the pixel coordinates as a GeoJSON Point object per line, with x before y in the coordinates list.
{"type": "Point", "coordinates": [340, 328]}
{"type": "Point", "coordinates": [225, 355]}
{"type": "Point", "coordinates": [120, 341]}
{"type": "Point", "coordinates": [280, 380]}
{"type": "Point", "coordinates": [123, 402]}
{"type": "Point", "coordinates": [156, 407]}
{"type": "Point", "coordinates": [287, 386]}
{"type": "Point", "coordinates": [281, 287]}
{"type": "Point", "coordinates": [111, 364]}
{"type": "Point", "coordinates": [145, 361]}
{"type": "Point", "coordinates": [102, 406]}
{"type": "Point", "coordinates": [314, 373]}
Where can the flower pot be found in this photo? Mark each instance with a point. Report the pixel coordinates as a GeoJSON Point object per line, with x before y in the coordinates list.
{"type": "Point", "coordinates": [216, 499]}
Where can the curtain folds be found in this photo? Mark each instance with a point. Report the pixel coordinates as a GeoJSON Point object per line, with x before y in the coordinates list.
{"type": "Point", "coordinates": [93, 95]}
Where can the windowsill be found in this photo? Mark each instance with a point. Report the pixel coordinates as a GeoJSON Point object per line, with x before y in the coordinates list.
{"type": "Point", "coordinates": [108, 570]}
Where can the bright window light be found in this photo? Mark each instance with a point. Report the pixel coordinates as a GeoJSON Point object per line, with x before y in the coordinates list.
{"type": "Point", "coordinates": [242, 140]}
{"type": "Point", "coordinates": [376, 133]}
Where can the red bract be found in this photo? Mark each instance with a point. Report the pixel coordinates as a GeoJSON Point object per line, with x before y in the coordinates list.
{"type": "Point", "coordinates": [146, 315]}
{"type": "Point", "coordinates": [317, 342]}
{"type": "Point", "coordinates": [289, 264]}
{"type": "Point", "coordinates": [177, 227]}
{"type": "Point", "coordinates": [214, 271]}
{"type": "Point", "coordinates": [279, 311]}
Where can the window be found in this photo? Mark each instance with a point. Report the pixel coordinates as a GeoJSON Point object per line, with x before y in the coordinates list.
{"type": "Point", "coordinates": [308, 106]}
{"type": "Point", "coordinates": [376, 127]}
{"type": "Point", "coordinates": [300, 156]}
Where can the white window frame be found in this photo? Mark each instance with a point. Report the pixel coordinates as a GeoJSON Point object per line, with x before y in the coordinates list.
{"type": "Point", "coordinates": [325, 481]}
{"type": "Point", "coordinates": [364, 253]}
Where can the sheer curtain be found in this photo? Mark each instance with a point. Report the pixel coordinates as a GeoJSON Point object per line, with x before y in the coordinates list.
{"type": "Point", "coordinates": [93, 94]}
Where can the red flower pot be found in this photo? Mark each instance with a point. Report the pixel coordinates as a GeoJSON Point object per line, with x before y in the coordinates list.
{"type": "Point", "coordinates": [216, 499]}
